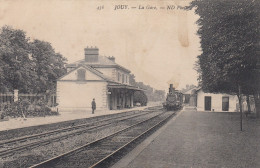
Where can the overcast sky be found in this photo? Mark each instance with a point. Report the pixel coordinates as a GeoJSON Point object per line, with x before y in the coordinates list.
{"type": "Point", "coordinates": [159, 46]}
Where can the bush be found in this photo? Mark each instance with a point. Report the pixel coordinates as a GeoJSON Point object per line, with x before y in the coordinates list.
{"type": "Point", "coordinates": [2, 115]}
{"type": "Point", "coordinates": [40, 108]}
{"type": "Point", "coordinates": [10, 109]}
{"type": "Point", "coordinates": [24, 108]}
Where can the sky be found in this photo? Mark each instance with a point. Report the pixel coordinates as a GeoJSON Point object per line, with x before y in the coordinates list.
{"type": "Point", "coordinates": [158, 46]}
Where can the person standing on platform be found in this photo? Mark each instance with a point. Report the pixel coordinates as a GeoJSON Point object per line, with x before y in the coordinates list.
{"type": "Point", "coordinates": [93, 106]}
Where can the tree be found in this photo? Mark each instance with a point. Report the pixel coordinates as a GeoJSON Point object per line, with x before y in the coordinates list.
{"type": "Point", "coordinates": [151, 93]}
{"type": "Point", "coordinates": [48, 65]}
{"type": "Point", "coordinates": [188, 87]}
{"type": "Point", "coordinates": [229, 32]}
{"type": "Point", "coordinates": [140, 97]}
{"type": "Point", "coordinates": [15, 66]}
{"type": "Point", "coordinates": [159, 95]}
{"type": "Point", "coordinates": [30, 67]}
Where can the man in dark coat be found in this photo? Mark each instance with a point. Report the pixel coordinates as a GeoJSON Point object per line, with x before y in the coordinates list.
{"type": "Point", "coordinates": [93, 106]}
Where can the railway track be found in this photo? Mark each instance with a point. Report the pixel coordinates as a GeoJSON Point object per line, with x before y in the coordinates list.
{"type": "Point", "coordinates": [35, 136]}
{"type": "Point", "coordinates": [21, 144]}
{"type": "Point", "coordinates": [104, 151]}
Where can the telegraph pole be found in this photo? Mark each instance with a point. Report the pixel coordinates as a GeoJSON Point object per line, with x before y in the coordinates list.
{"type": "Point", "coordinates": [240, 106]}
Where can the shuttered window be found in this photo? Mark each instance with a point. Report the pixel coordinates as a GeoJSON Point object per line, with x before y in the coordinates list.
{"type": "Point", "coordinates": [123, 78]}
{"type": "Point", "coordinates": [118, 76]}
{"type": "Point", "coordinates": [81, 74]}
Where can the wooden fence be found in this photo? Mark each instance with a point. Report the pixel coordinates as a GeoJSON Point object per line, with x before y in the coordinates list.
{"type": "Point", "coordinates": [9, 98]}
{"type": "Point", "coordinates": [6, 98]}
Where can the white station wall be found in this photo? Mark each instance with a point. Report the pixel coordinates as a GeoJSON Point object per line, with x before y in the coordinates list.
{"type": "Point", "coordinates": [73, 96]}
{"type": "Point", "coordinates": [216, 101]}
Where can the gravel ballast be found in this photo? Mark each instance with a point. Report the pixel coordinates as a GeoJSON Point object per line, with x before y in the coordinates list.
{"type": "Point", "coordinates": [42, 153]}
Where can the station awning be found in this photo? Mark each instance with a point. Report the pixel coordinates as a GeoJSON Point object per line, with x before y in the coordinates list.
{"type": "Point", "coordinates": [122, 86]}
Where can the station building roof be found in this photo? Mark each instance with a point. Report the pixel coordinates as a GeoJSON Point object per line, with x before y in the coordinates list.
{"type": "Point", "coordinates": [102, 62]}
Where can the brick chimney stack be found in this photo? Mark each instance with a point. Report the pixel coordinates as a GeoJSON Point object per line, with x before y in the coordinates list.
{"type": "Point", "coordinates": [91, 54]}
{"type": "Point", "coordinates": [112, 58]}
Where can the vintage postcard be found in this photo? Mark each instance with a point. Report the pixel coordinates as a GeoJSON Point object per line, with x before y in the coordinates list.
{"type": "Point", "coordinates": [129, 83]}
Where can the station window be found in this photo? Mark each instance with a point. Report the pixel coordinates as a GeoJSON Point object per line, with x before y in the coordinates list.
{"type": "Point", "coordinates": [126, 79]}
{"type": "Point", "coordinates": [81, 74]}
{"type": "Point", "coordinates": [118, 76]}
{"type": "Point", "coordinates": [123, 78]}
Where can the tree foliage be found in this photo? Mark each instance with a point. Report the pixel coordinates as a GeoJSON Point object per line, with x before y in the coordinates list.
{"type": "Point", "coordinates": [151, 93]}
{"type": "Point", "coordinates": [229, 32]}
{"type": "Point", "coordinates": [188, 87]}
{"type": "Point", "coordinates": [30, 67]}
{"type": "Point", "coordinates": [48, 65]}
{"type": "Point", "coordinates": [14, 58]}
{"type": "Point", "coordinates": [140, 97]}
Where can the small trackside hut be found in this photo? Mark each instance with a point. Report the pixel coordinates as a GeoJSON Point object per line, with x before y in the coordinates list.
{"type": "Point", "coordinates": [98, 77]}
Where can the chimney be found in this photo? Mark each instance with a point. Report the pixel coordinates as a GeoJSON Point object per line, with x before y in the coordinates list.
{"type": "Point", "coordinates": [171, 89]}
{"type": "Point", "coordinates": [91, 54]}
{"type": "Point", "coordinates": [112, 58]}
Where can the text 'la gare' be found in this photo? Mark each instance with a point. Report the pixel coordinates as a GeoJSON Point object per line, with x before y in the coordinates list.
{"type": "Point", "coordinates": [118, 7]}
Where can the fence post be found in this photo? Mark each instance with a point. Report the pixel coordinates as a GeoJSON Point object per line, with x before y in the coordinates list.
{"type": "Point", "coordinates": [16, 95]}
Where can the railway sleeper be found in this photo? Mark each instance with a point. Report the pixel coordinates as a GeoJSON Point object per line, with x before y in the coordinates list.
{"type": "Point", "coordinates": [8, 155]}
{"type": "Point", "coordinates": [134, 134]}
{"type": "Point", "coordinates": [63, 137]}
{"type": "Point", "coordinates": [56, 140]}
{"type": "Point", "coordinates": [31, 138]}
{"type": "Point", "coordinates": [91, 157]}
{"type": "Point", "coordinates": [33, 146]}
{"type": "Point", "coordinates": [109, 147]}
{"type": "Point", "coordinates": [71, 135]}
{"type": "Point", "coordinates": [20, 150]}
{"type": "Point", "coordinates": [94, 158]}
{"type": "Point", "coordinates": [23, 140]}
{"type": "Point", "coordinates": [9, 144]}
{"type": "Point", "coordinates": [78, 133]}
{"type": "Point", "coordinates": [98, 150]}
{"type": "Point", "coordinates": [124, 138]}
{"type": "Point", "coordinates": [45, 143]}
{"type": "Point", "coordinates": [111, 142]}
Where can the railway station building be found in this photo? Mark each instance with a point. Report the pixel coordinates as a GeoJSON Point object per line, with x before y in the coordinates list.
{"type": "Point", "coordinates": [95, 77]}
{"type": "Point", "coordinates": [216, 102]}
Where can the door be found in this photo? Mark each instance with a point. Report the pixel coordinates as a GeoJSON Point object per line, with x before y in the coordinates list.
{"type": "Point", "coordinates": [110, 101]}
{"type": "Point", "coordinates": [225, 103]}
{"type": "Point", "coordinates": [207, 103]}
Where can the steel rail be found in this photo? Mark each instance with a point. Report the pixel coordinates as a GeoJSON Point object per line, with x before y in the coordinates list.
{"type": "Point", "coordinates": [81, 148]}
{"type": "Point", "coordinates": [7, 152]}
{"type": "Point", "coordinates": [30, 137]}
{"type": "Point", "coordinates": [136, 139]}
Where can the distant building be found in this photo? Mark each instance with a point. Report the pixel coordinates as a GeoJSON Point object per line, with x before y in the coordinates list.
{"type": "Point", "coordinates": [203, 101]}
{"type": "Point", "coordinates": [96, 77]}
{"type": "Point", "coordinates": [190, 96]}
{"type": "Point", "coordinates": [216, 102]}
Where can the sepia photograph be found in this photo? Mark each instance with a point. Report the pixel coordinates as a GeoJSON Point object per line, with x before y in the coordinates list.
{"type": "Point", "coordinates": [129, 84]}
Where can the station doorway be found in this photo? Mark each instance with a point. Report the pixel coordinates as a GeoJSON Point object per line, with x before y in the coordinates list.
{"type": "Point", "coordinates": [207, 103]}
{"type": "Point", "coordinates": [225, 103]}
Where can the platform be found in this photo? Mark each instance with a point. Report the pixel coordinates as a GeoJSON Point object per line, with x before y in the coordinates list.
{"type": "Point", "coordinates": [199, 140]}
{"type": "Point", "coordinates": [14, 123]}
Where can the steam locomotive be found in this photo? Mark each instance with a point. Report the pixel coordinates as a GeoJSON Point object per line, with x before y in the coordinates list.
{"type": "Point", "coordinates": [174, 99]}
